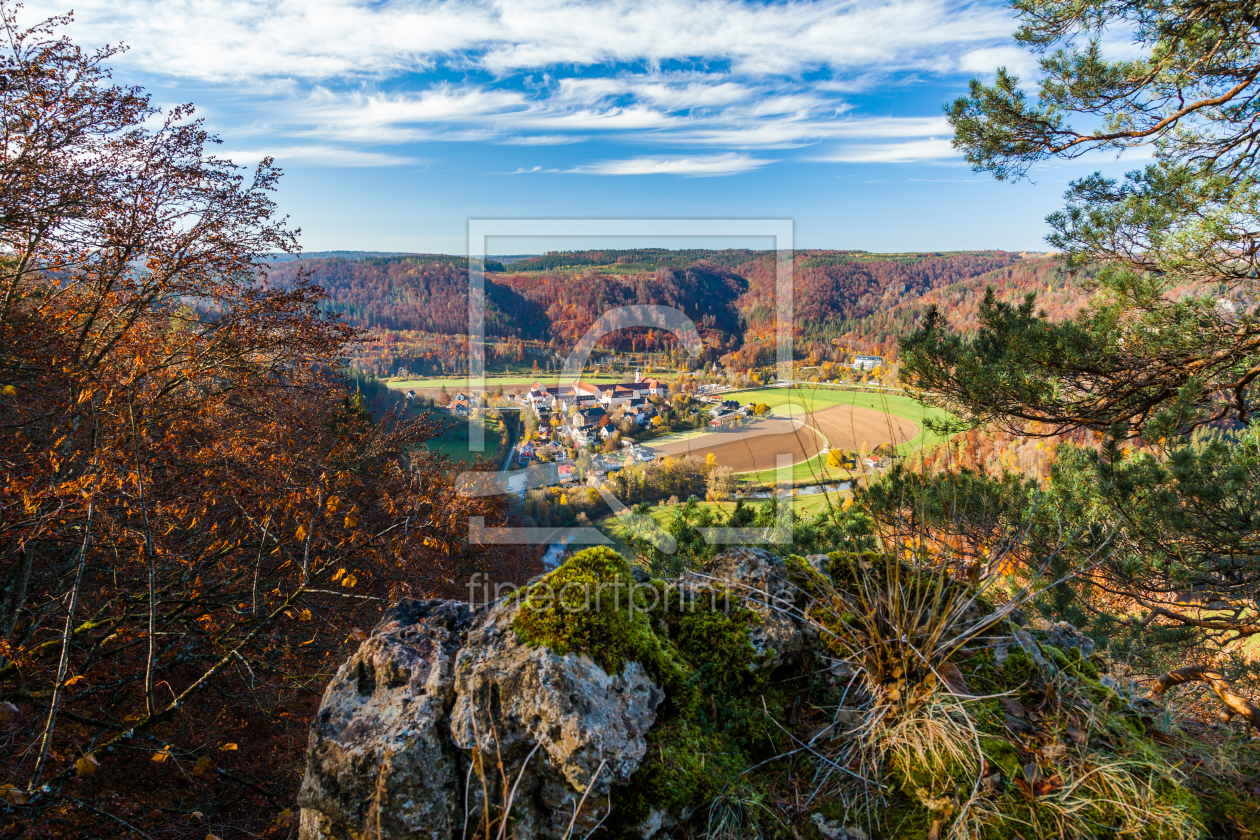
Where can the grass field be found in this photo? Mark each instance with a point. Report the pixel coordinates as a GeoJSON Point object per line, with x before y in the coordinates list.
{"type": "Point", "coordinates": [815, 399]}
{"type": "Point", "coordinates": [456, 448]}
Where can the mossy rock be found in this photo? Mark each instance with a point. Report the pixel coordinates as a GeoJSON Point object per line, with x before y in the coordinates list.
{"type": "Point", "coordinates": [697, 649]}
{"type": "Point", "coordinates": [719, 736]}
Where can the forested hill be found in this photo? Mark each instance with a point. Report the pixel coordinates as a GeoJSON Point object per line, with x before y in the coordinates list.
{"type": "Point", "coordinates": [550, 300]}
{"type": "Point", "coordinates": [1058, 292]}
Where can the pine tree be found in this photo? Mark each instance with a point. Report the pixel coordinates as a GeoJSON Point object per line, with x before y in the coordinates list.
{"type": "Point", "coordinates": [1162, 365]}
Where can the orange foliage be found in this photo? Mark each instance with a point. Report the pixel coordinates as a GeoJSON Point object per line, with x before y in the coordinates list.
{"type": "Point", "coordinates": [196, 518]}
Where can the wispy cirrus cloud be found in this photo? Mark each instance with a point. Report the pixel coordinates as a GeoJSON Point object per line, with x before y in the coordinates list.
{"type": "Point", "coordinates": [543, 140]}
{"type": "Point", "coordinates": [766, 118]}
{"type": "Point", "coordinates": [913, 151]}
{"type": "Point", "coordinates": [691, 165]}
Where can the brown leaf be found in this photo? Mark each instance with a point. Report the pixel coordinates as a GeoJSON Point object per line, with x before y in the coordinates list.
{"type": "Point", "coordinates": [13, 795]}
{"type": "Point", "coordinates": [1054, 750]}
{"type": "Point", "coordinates": [1045, 787]}
{"type": "Point", "coordinates": [86, 765]}
{"type": "Point", "coordinates": [1013, 707]}
{"type": "Point", "coordinates": [1032, 772]}
{"type": "Point", "coordinates": [1016, 725]}
{"type": "Point", "coordinates": [953, 677]}
{"type": "Point", "coordinates": [1077, 736]}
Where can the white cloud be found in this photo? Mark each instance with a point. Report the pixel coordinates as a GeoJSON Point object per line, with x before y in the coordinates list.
{"type": "Point", "coordinates": [913, 151]}
{"type": "Point", "coordinates": [543, 140]}
{"type": "Point", "coordinates": [766, 120]}
{"type": "Point", "coordinates": [694, 165]}
{"type": "Point", "coordinates": [727, 76]}
{"type": "Point", "coordinates": [324, 39]}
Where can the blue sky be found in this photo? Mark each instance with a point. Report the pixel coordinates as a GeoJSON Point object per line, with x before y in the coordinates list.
{"type": "Point", "coordinates": [395, 122]}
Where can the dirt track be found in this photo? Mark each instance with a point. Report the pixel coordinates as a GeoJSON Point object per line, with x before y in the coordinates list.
{"type": "Point", "coordinates": [755, 446]}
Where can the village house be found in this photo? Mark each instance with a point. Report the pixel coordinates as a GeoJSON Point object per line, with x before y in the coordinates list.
{"type": "Point", "coordinates": [588, 395]}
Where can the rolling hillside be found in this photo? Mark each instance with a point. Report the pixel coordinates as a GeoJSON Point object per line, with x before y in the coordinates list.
{"type": "Point", "coordinates": [416, 305]}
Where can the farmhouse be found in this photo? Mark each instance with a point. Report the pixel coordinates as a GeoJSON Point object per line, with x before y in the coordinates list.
{"type": "Point", "coordinates": [586, 394]}
{"type": "Point", "coordinates": [867, 362]}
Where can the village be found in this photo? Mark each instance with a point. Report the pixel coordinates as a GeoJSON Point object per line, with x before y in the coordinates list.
{"type": "Point", "coordinates": [592, 430]}
{"type": "Point", "coordinates": [587, 431]}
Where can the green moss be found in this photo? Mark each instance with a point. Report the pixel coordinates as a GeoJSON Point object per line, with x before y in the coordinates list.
{"type": "Point", "coordinates": [685, 766]}
{"type": "Point", "coordinates": [591, 605]}
{"type": "Point", "coordinates": [715, 642]}
{"type": "Point", "coordinates": [1001, 753]}
{"type": "Point", "coordinates": [1081, 666]}
{"type": "Point", "coordinates": [1228, 813]}
{"type": "Point", "coordinates": [1179, 800]}
{"type": "Point", "coordinates": [906, 817]}
{"type": "Point", "coordinates": [1017, 671]}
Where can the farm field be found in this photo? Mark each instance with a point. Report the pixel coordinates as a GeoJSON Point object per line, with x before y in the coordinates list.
{"type": "Point", "coordinates": [746, 449]}
{"type": "Point", "coordinates": [816, 400]}
{"type": "Point", "coordinates": [804, 423]}
{"type": "Point", "coordinates": [454, 443]}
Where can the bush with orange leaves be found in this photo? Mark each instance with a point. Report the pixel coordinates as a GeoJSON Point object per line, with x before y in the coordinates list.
{"type": "Point", "coordinates": [196, 518]}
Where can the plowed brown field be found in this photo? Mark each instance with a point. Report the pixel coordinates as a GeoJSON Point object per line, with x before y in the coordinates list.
{"type": "Point", "coordinates": [850, 427]}
{"type": "Point", "coordinates": [756, 446]}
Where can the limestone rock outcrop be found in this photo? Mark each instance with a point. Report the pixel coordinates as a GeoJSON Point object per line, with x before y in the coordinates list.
{"type": "Point", "coordinates": [760, 581]}
{"type": "Point", "coordinates": [564, 726]}
{"type": "Point", "coordinates": [379, 762]}
{"type": "Point", "coordinates": [447, 718]}
{"type": "Point", "coordinates": [438, 698]}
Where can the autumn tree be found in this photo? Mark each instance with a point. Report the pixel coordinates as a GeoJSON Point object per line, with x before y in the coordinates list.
{"type": "Point", "coordinates": [196, 514]}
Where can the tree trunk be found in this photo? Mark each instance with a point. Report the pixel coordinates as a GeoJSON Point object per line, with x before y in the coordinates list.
{"type": "Point", "coordinates": [1234, 703]}
{"type": "Point", "coordinates": [15, 593]}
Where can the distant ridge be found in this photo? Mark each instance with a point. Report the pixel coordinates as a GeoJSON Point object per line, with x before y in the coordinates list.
{"type": "Point", "coordinates": [363, 255]}
{"type": "Point", "coordinates": [341, 255]}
